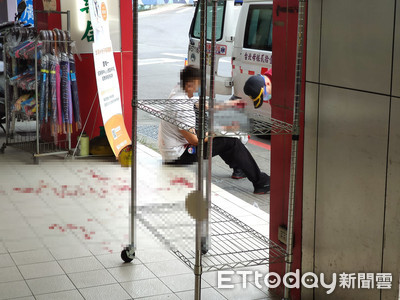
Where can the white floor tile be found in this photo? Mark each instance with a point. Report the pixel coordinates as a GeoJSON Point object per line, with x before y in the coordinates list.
{"type": "Point", "coordinates": [130, 273]}
{"type": "Point", "coordinates": [23, 245]}
{"type": "Point", "coordinates": [105, 292]}
{"type": "Point", "coordinates": [68, 252]}
{"type": "Point", "coordinates": [162, 297]}
{"type": "Point", "coordinates": [146, 256]}
{"type": "Point", "coordinates": [9, 274]}
{"type": "Point", "coordinates": [32, 257]}
{"type": "Point", "coordinates": [6, 260]}
{"type": "Point", "coordinates": [81, 264]}
{"type": "Point", "coordinates": [14, 289]}
{"type": "Point", "coordinates": [240, 293]}
{"type": "Point", "coordinates": [66, 295]}
{"type": "Point", "coordinates": [17, 233]}
{"type": "Point", "coordinates": [208, 293]}
{"type": "Point", "coordinates": [59, 239]}
{"type": "Point", "coordinates": [41, 270]}
{"type": "Point", "coordinates": [145, 288]}
{"type": "Point", "coordinates": [91, 278]}
{"type": "Point", "coordinates": [180, 283]}
{"type": "Point", "coordinates": [168, 268]}
{"type": "Point", "coordinates": [48, 285]}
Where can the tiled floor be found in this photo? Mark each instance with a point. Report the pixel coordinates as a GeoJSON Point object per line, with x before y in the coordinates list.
{"type": "Point", "coordinates": [63, 224]}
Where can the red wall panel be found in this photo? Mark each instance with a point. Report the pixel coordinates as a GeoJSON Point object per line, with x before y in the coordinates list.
{"type": "Point", "coordinates": [47, 21]}
{"type": "Point", "coordinates": [284, 64]}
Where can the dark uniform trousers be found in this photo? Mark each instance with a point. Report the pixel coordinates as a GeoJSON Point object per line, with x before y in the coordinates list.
{"type": "Point", "coordinates": [233, 153]}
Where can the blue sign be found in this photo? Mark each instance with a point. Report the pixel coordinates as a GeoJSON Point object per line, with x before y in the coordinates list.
{"type": "Point", "coordinates": [27, 15]}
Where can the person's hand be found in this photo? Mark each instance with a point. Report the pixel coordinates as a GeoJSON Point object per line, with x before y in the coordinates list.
{"type": "Point", "coordinates": [238, 103]}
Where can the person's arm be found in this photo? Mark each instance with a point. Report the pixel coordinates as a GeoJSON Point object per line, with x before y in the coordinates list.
{"type": "Point", "coordinates": [191, 137]}
{"type": "Point", "coordinates": [226, 104]}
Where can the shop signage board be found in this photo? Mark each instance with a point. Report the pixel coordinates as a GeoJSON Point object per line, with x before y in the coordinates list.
{"type": "Point", "coordinates": [81, 24]}
{"type": "Point", "coordinates": [107, 78]}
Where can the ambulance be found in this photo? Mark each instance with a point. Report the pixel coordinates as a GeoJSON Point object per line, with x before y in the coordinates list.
{"type": "Point", "coordinates": [243, 47]}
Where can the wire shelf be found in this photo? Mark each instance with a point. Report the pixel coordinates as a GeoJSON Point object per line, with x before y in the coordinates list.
{"type": "Point", "coordinates": [273, 127]}
{"type": "Point", "coordinates": [233, 243]}
{"type": "Point", "coordinates": [168, 109]}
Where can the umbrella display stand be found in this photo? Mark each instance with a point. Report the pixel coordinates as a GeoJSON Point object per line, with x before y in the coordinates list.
{"type": "Point", "coordinates": [41, 99]}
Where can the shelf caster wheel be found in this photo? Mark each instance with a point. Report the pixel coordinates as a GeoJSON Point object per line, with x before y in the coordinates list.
{"type": "Point", "coordinates": [126, 257]}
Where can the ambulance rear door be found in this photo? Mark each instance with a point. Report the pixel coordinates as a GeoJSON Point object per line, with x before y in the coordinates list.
{"type": "Point", "coordinates": [253, 50]}
{"type": "Point", "coordinates": [227, 15]}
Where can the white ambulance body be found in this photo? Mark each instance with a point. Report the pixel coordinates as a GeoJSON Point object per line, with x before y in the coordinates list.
{"type": "Point", "coordinates": [243, 48]}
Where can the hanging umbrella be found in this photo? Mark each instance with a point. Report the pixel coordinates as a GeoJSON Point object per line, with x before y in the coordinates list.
{"type": "Point", "coordinates": [65, 85]}
{"type": "Point", "coordinates": [44, 71]}
{"type": "Point", "coordinates": [74, 85]}
{"type": "Point", "coordinates": [53, 61]}
{"type": "Point", "coordinates": [59, 117]}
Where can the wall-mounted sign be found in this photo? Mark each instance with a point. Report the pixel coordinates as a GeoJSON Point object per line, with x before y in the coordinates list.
{"type": "Point", "coordinates": [81, 24]}
{"type": "Point", "coordinates": [107, 78]}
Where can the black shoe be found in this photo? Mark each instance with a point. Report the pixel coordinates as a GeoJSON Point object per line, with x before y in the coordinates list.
{"type": "Point", "coordinates": [261, 190]}
{"type": "Point", "coordinates": [264, 187]}
{"type": "Point", "coordinates": [238, 174]}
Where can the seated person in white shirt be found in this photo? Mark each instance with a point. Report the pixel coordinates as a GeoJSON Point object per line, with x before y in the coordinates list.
{"type": "Point", "coordinates": [178, 146]}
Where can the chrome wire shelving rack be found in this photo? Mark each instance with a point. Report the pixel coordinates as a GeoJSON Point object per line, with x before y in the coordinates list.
{"type": "Point", "coordinates": [166, 110]}
{"type": "Point", "coordinates": [234, 244]}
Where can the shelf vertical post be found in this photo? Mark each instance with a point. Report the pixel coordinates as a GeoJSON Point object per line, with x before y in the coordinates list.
{"type": "Point", "coordinates": [210, 126]}
{"type": "Point", "coordinates": [200, 147]}
{"type": "Point", "coordinates": [295, 139]}
{"type": "Point", "coordinates": [133, 204]}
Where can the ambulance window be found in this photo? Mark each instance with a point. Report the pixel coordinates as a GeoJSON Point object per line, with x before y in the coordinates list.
{"type": "Point", "coordinates": [220, 20]}
{"type": "Point", "coordinates": [258, 33]}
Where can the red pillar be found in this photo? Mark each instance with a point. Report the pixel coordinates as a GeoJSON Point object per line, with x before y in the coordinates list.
{"type": "Point", "coordinates": [284, 64]}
